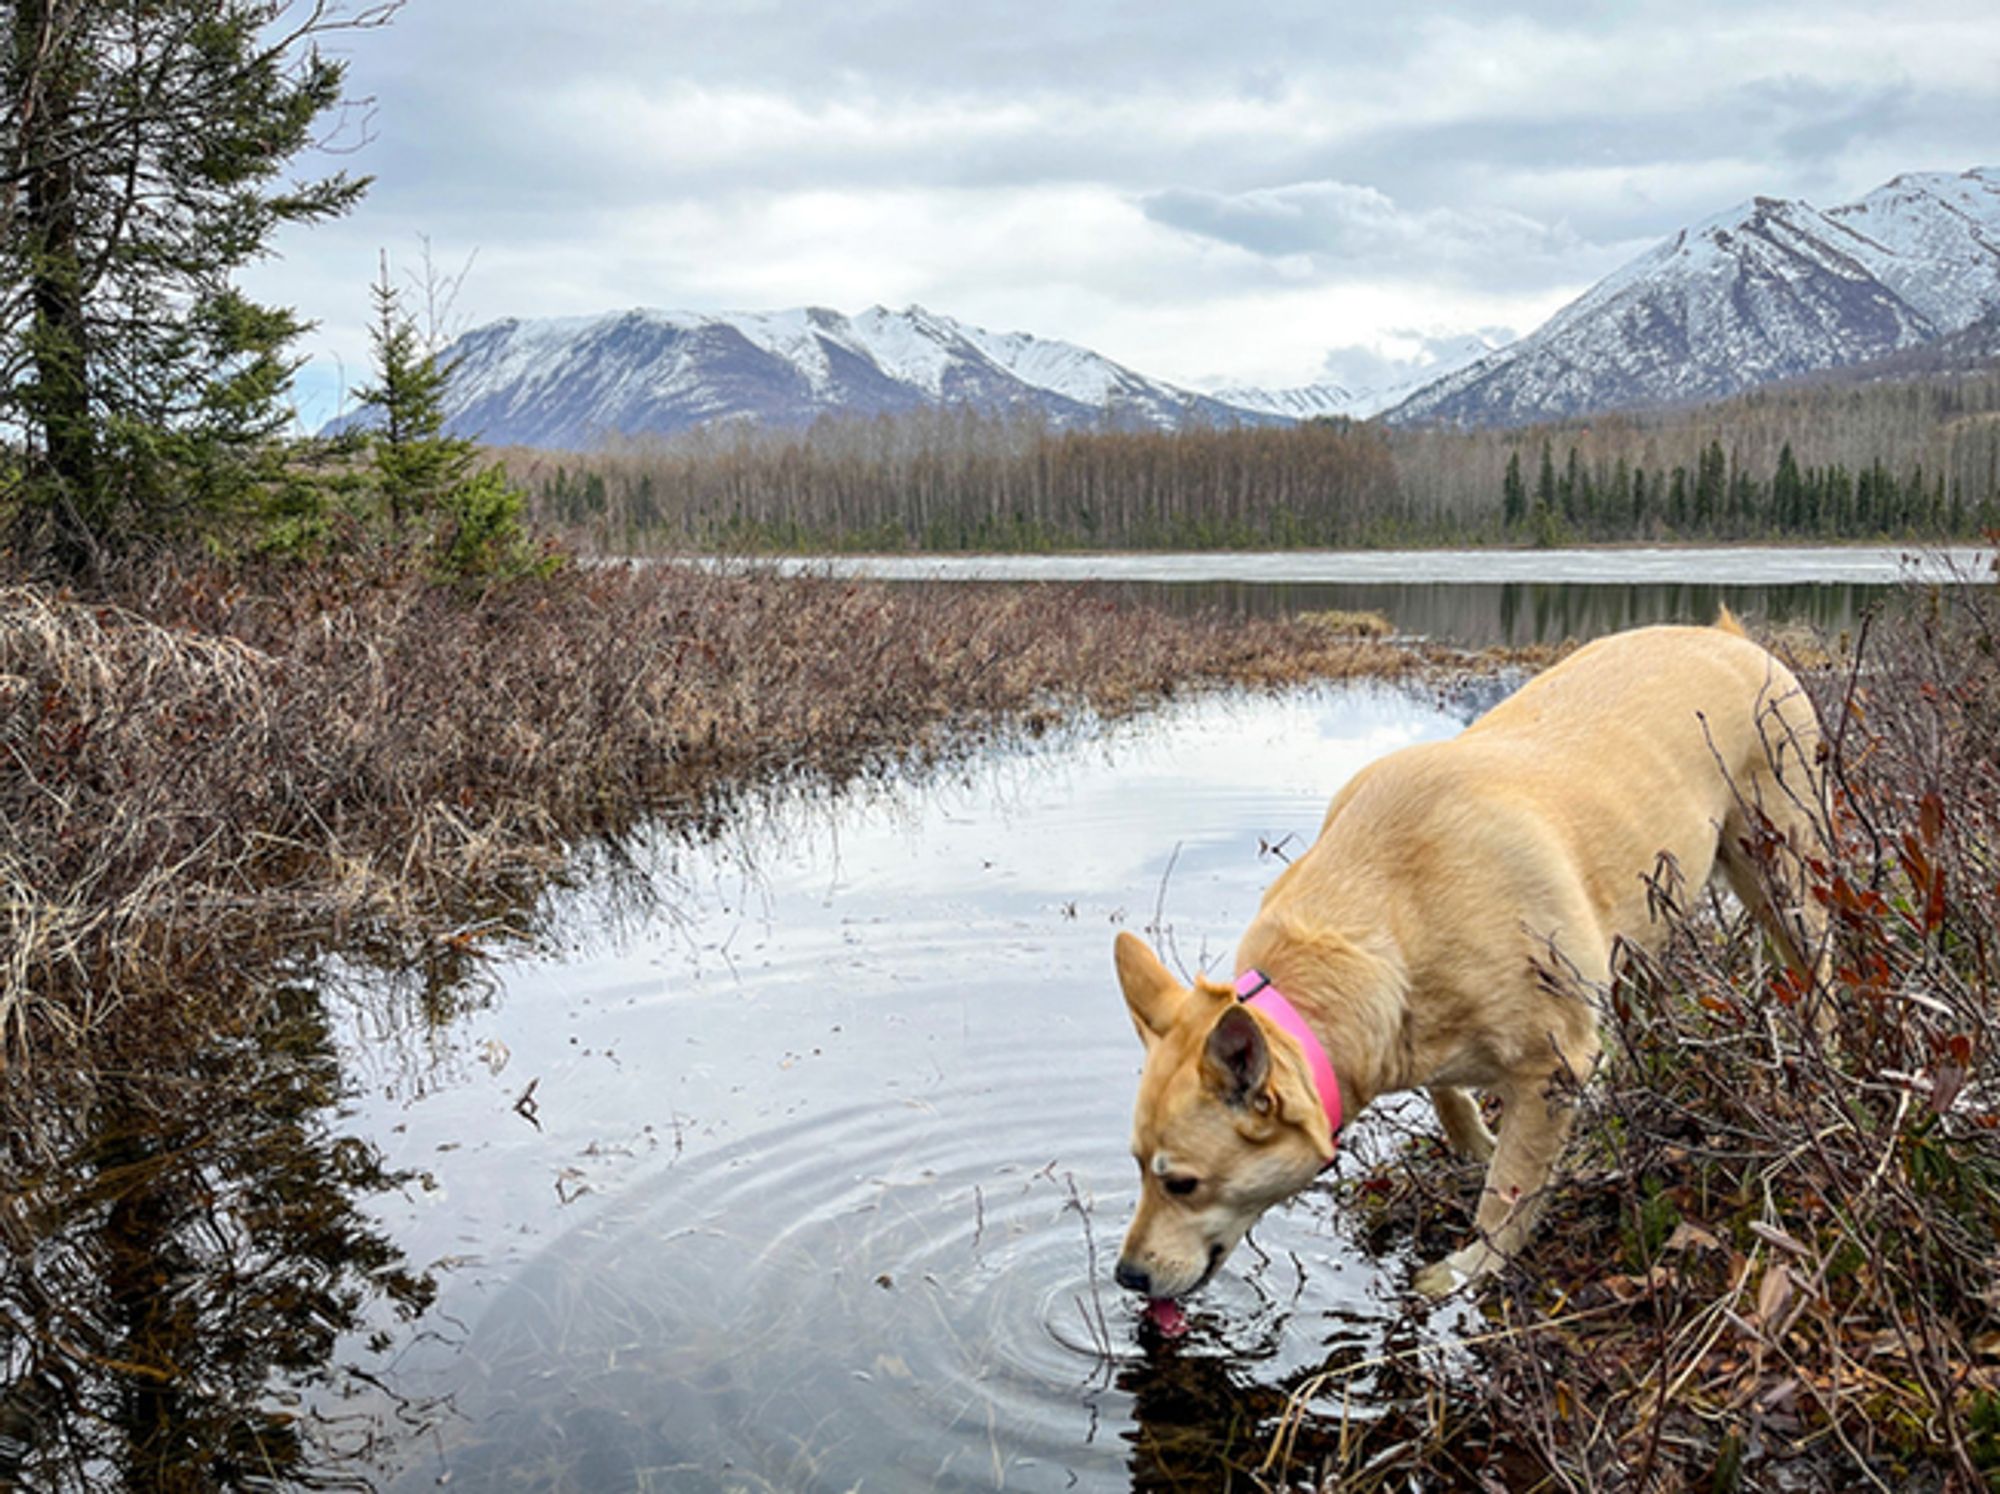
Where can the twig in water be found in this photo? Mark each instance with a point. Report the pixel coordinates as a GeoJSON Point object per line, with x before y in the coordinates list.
{"type": "Point", "coordinates": [1158, 927]}
{"type": "Point", "coordinates": [1075, 1201]}
{"type": "Point", "coordinates": [525, 1106]}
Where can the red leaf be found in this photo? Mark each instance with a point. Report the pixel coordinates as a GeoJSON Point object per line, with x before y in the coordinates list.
{"type": "Point", "coordinates": [1930, 818]}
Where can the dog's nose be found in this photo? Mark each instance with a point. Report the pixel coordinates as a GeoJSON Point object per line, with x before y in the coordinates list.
{"type": "Point", "coordinates": [1132, 1278]}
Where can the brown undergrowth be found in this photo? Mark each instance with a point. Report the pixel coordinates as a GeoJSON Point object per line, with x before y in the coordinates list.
{"type": "Point", "coordinates": [1774, 1262]}
{"type": "Point", "coordinates": [208, 770]}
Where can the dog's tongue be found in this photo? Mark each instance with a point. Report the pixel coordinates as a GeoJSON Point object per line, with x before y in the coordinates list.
{"type": "Point", "coordinates": [1165, 1314]}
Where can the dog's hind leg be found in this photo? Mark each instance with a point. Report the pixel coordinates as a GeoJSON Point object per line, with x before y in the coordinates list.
{"type": "Point", "coordinates": [1464, 1127]}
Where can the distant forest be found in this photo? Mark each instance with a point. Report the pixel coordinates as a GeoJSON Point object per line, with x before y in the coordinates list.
{"type": "Point", "coordinates": [1917, 458]}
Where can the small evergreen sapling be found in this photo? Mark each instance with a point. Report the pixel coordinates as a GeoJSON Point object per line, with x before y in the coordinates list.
{"type": "Point", "coordinates": [431, 486]}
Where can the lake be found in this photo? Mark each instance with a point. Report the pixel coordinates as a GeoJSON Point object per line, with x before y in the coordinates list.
{"type": "Point", "coordinates": [1480, 597]}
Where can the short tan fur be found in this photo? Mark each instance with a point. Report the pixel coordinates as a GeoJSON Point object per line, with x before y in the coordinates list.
{"type": "Point", "coordinates": [1448, 927]}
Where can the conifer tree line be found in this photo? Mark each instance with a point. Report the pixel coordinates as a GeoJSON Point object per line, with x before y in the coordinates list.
{"type": "Point", "coordinates": [1914, 459]}
{"type": "Point", "coordinates": [1841, 458]}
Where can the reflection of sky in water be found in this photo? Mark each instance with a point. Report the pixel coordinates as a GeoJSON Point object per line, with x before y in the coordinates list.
{"type": "Point", "coordinates": [903, 987]}
{"type": "Point", "coordinates": [1732, 566]}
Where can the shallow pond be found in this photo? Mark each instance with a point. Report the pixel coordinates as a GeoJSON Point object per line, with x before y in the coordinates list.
{"type": "Point", "coordinates": [819, 1175]}
{"type": "Point", "coordinates": [1480, 597]}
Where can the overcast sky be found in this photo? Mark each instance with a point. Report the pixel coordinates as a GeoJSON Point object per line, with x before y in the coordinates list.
{"type": "Point", "coordinates": [1211, 193]}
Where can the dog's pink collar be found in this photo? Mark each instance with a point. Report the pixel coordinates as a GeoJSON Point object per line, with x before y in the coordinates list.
{"type": "Point", "coordinates": [1254, 988]}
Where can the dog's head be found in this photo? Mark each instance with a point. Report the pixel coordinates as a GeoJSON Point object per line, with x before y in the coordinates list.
{"type": "Point", "coordinates": [1222, 1129]}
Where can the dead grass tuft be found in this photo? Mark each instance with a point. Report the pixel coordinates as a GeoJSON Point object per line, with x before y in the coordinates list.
{"type": "Point", "coordinates": [1350, 624]}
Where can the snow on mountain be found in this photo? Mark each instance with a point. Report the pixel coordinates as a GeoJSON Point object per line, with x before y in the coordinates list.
{"type": "Point", "coordinates": [1442, 356]}
{"type": "Point", "coordinates": [1933, 238]}
{"type": "Point", "coordinates": [569, 383]}
{"type": "Point", "coordinates": [1301, 402]}
{"type": "Point", "coordinates": [1768, 290]}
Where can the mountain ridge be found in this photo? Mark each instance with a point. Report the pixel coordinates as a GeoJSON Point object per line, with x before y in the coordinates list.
{"type": "Point", "coordinates": [570, 382]}
{"type": "Point", "coordinates": [1773, 288]}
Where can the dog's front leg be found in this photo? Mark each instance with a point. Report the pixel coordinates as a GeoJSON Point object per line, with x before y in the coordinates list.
{"type": "Point", "coordinates": [1533, 1129]}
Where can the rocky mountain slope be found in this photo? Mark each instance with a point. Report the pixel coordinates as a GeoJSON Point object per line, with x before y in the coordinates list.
{"type": "Point", "coordinates": [1768, 290]}
{"type": "Point", "coordinates": [570, 383]}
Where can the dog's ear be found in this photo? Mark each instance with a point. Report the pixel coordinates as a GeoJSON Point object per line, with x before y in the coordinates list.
{"type": "Point", "coordinates": [1236, 1061]}
{"type": "Point", "coordinates": [1152, 994]}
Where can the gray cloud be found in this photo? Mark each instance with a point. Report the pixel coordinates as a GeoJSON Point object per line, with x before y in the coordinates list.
{"type": "Point", "coordinates": [1348, 230]}
{"type": "Point", "coordinates": [1812, 122]}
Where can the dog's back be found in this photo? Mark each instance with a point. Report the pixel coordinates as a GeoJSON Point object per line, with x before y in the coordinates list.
{"type": "Point", "coordinates": [1640, 744]}
{"type": "Point", "coordinates": [1540, 833]}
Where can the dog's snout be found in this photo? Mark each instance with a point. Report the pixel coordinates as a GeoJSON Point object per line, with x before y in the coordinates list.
{"type": "Point", "coordinates": [1133, 1278]}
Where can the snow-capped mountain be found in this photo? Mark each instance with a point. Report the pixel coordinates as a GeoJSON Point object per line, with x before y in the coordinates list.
{"type": "Point", "coordinates": [1442, 356]}
{"type": "Point", "coordinates": [1302, 402]}
{"type": "Point", "coordinates": [1768, 290]}
{"type": "Point", "coordinates": [568, 383]}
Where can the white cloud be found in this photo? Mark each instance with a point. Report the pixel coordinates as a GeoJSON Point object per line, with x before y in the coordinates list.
{"type": "Point", "coordinates": [1403, 355]}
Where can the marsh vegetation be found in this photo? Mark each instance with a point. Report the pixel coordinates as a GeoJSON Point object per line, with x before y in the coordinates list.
{"type": "Point", "coordinates": [211, 763]}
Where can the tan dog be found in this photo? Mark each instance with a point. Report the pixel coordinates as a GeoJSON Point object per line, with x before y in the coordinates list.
{"type": "Point", "coordinates": [1419, 935]}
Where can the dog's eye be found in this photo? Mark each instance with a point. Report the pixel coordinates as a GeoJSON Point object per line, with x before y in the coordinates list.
{"type": "Point", "coordinates": [1181, 1187]}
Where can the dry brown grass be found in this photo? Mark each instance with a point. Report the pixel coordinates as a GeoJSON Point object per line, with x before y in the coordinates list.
{"type": "Point", "coordinates": [209, 771]}
{"type": "Point", "coordinates": [1350, 623]}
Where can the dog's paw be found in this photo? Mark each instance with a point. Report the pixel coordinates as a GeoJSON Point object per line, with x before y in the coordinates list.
{"type": "Point", "coordinates": [1440, 1279]}
{"type": "Point", "coordinates": [1460, 1269]}
{"type": "Point", "coordinates": [1479, 1146]}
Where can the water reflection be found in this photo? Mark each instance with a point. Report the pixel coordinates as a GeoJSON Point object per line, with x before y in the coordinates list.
{"type": "Point", "coordinates": [1477, 615]}
{"type": "Point", "coordinates": [828, 1165]}
{"type": "Point", "coordinates": [1481, 597]}
{"type": "Point", "coordinates": [192, 1280]}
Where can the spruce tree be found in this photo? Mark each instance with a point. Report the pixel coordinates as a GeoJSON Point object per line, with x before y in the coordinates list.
{"type": "Point", "coordinates": [1513, 493]}
{"type": "Point", "coordinates": [1788, 493]}
{"type": "Point", "coordinates": [415, 462]}
{"type": "Point", "coordinates": [431, 486]}
{"type": "Point", "coordinates": [141, 149]}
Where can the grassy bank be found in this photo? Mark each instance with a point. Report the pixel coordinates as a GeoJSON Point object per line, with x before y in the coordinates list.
{"type": "Point", "coordinates": [1775, 1259]}
{"type": "Point", "coordinates": [212, 771]}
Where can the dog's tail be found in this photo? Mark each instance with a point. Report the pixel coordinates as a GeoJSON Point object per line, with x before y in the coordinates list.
{"type": "Point", "coordinates": [1726, 620]}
